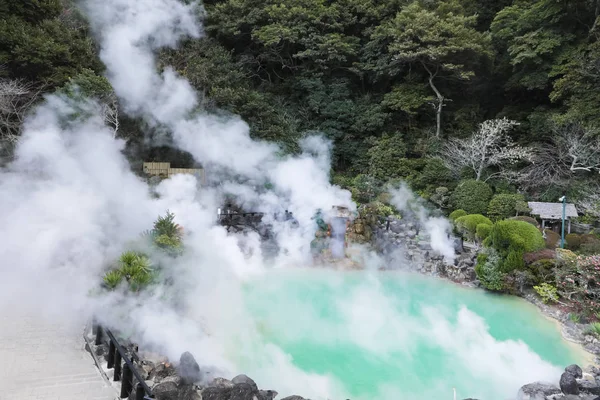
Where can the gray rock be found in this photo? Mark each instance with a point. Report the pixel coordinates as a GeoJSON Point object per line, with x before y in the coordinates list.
{"type": "Point", "coordinates": [568, 384]}
{"type": "Point", "coordinates": [166, 391]}
{"type": "Point", "coordinates": [537, 391]}
{"type": "Point", "coordinates": [244, 379]}
{"type": "Point", "coordinates": [588, 386]}
{"type": "Point", "coordinates": [574, 370]}
{"type": "Point", "coordinates": [188, 368]}
{"type": "Point", "coordinates": [241, 391]}
{"type": "Point", "coordinates": [221, 383]}
{"type": "Point", "coordinates": [295, 397]}
{"type": "Point", "coordinates": [267, 394]}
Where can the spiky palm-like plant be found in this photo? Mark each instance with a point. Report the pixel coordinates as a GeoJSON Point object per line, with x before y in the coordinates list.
{"type": "Point", "coordinates": [112, 279]}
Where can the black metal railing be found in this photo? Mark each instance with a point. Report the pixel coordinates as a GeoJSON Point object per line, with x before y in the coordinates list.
{"type": "Point", "coordinates": [122, 364]}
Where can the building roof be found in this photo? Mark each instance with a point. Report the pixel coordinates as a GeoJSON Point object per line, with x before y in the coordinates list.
{"type": "Point", "coordinates": [552, 210]}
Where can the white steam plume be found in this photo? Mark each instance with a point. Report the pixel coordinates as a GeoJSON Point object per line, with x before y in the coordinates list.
{"type": "Point", "coordinates": [438, 229]}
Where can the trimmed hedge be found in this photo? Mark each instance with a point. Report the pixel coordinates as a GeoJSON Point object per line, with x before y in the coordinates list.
{"type": "Point", "coordinates": [503, 206]}
{"type": "Point", "coordinates": [467, 224]}
{"type": "Point", "coordinates": [552, 239]}
{"type": "Point", "coordinates": [544, 254]}
{"type": "Point", "coordinates": [512, 239]}
{"type": "Point", "coordinates": [454, 215]}
{"type": "Point", "coordinates": [472, 196]}
{"type": "Point", "coordinates": [483, 231]}
{"type": "Point", "coordinates": [527, 219]}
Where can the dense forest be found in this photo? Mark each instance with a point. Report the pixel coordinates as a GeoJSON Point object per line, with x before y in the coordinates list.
{"type": "Point", "coordinates": [400, 86]}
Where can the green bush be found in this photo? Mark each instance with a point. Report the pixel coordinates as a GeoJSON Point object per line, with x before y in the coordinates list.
{"type": "Point", "coordinates": [512, 239]}
{"type": "Point", "coordinates": [454, 215]}
{"type": "Point", "coordinates": [503, 206]}
{"type": "Point", "coordinates": [472, 196]}
{"type": "Point", "coordinates": [516, 235]}
{"type": "Point", "coordinates": [483, 231]}
{"type": "Point", "coordinates": [527, 219]}
{"type": "Point", "coordinates": [488, 270]}
{"type": "Point", "coordinates": [573, 241]}
{"type": "Point", "coordinates": [112, 279]}
{"type": "Point", "coordinates": [385, 157]}
{"type": "Point", "coordinates": [543, 270]}
{"type": "Point", "coordinates": [467, 225]}
{"type": "Point", "coordinates": [590, 248]}
{"type": "Point", "coordinates": [547, 292]}
{"type": "Point", "coordinates": [366, 188]}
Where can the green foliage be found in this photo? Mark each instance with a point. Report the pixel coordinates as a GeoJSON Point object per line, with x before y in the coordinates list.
{"type": "Point", "coordinates": [37, 46]}
{"type": "Point", "coordinates": [552, 238]}
{"type": "Point", "coordinates": [472, 196]}
{"type": "Point", "coordinates": [512, 239]}
{"type": "Point", "coordinates": [112, 279]}
{"type": "Point", "coordinates": [547, 292]}
{"type": "Point", "coordinates": [467, 225]}
{"type": "Point", "coordinates": [594, 329]}
{"type": "Point", "coordinates": [454, 215]}
{"type": "Point", "coordinates": [488, 270]}
{"type": "Point", "coordinates": [575, 317]}
{"type": "Point", "coordinates": [543, 270]}
{"type": "Point", "coordinates": [385, 157]}
{"type": "Point", "coordinates": [366, 188]}
{"type": "Point", "coordinates": [167, 235]}
{"type": "Point", "coordinates": [503, 206]}
{"type": "Point", "coordinates": [483, 231]}
{"type": "Point", "coordinates": [529, 220]}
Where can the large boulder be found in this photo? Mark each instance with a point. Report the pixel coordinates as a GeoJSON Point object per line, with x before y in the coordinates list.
{"type": "Point", "coordinates": [166, 391]}
{"type": "Point", "coordinates": [537, 391]}
{"type": "Point", "coordinates": [568, 383]}
{"type": "Point", "coordinates": [588, 385]}
{"type": "Point", "coordinates": [188, 369]}
{"type": "Point", "coordinates": [244, 379]}
{"type": "Point", "coordinates": [242, 391]}
{"type": "Point", "coordinates": [220, 383]}
{"type": "Point", "coordinates": [574, 370]}
{"type": "Point", "coordinates": [267, 394]}
{"type": "Point", "coordinates": [295, 397]}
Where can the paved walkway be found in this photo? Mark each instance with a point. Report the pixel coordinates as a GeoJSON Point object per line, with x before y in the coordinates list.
{"type": "Point", "coordinates": [46, 360]}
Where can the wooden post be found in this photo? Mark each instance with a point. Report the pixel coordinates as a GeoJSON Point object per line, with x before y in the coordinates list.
{"type": "Point", "coordinates": [139, 392]}
{"type": "Point", "coordinates": [127, 384]}
{"type": "Point", "coordinates": [117, 372]}
{"type": "Point", "coordinates": [111, 355]}
{"type": "Point", "coordinates": [98, 341]}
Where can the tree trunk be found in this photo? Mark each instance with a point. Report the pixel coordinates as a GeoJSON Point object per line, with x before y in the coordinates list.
{"type": "Point", "coordinates": [440, 101]}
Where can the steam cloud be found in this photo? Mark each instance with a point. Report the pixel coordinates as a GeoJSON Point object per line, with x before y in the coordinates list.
{"type": "Point", "coordinates": [70, 205]}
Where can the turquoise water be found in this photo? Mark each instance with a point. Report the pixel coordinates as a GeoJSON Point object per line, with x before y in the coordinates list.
{"type": "Point", "coordinates": [362, 335]}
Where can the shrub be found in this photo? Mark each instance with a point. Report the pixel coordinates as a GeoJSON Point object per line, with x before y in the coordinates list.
{"type": "Point", "coordinates": [366, 188]}
{"type": "Point", "coordinates": [385, 157]}
{"type": "Point", "coordinates": [516, 235]}
{"type": "Point", "coordinates": [467, 225]}
{"type": "Point", "coordinates": [590, 248]}
{"type": "Point", "coordinates": [512, 239]}
{"type": "Point", "coordinates": [513, 261]}
{"type": "Point", "coordinates": [573, 241]}
{"type": "Point", "coordinates": [552, 239]}
{"type": "Point", "coordinates": [472, 196]}
{"type": "Point", "coordinates": [454, 215]}
{"type": "Point", "coordinates": [543, 270]}
{"type": "Point", "coordinates": [594, 329]}
{"type": "Point", "coordinates": [483, 231]}
{"type": "Point", "coordinates": [544, 254]}
{"type": "Point", "coordinates": [112, 279]}
{"type": "Point", "coordinates": [547, 292]}
{"type": "Point", "coordinates": [488, 271]}
{"type": "Point", "coordinates": [527, 219]}
{"type": "Point", "coordinates": [503, 206]}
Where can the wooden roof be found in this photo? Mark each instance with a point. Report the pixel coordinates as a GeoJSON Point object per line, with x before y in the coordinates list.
{"type": "Point", "coordinates": [552, 210]}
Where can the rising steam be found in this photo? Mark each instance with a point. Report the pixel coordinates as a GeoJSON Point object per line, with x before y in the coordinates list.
{"type": "Point", "coordinates": [70, 205]}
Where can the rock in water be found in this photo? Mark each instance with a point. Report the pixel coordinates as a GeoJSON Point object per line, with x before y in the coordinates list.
{"type": "Point", "coordinates": [574, 370]}
{"type": "Point", "coordinates": [240, 391]}
{"type": "Point", "coordinates": [267, 394]}
{"type": "Point", "coordinates": [294, 398]}
{"type": "Point", "coordinates": [568, 383]}
{"type": "Point", "coordinates": [188, 369]}
{"type": "Point", "coordinates": [245, 379]}
{"type": "Point", "coordinates": [537, 391]}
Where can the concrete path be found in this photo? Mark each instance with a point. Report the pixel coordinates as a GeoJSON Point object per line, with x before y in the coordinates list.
{"type": "Point", "coordinates": [46, 360]}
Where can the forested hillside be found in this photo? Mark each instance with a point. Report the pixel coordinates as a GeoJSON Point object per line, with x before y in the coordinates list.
{"type": "Point", "coordinates": [400, 86]}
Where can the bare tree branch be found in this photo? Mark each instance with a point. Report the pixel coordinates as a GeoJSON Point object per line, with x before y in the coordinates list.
{"type": "Point", "coordinates": [16, 97]}
{"type": "Point", "coordinates": [489, 147]}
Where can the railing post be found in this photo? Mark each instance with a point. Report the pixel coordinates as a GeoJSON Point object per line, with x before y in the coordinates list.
{"type": "Point", "coordinates": [127, 384]}
{"type": "Point", "coordinates": [140, 393]}
{"type": "Point", "coordinates": [98, 335]}
{"type": "Point", "coordinates": [118, 365]}
{"type": "Point", "coordinates": [111, 354]}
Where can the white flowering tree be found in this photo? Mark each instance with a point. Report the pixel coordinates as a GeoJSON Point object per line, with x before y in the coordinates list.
{"type": "Point", "coordinates": [16, 97]}
{"type": "Point", "coordinates": [489, 147]}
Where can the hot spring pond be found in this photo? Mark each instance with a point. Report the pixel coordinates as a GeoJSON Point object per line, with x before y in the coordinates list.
{"type": "Point", "coordinates": [358, 335]}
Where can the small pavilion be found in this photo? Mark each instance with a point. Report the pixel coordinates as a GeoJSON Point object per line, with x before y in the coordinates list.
{"type": "Point", "coordinates": [551, 214]}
